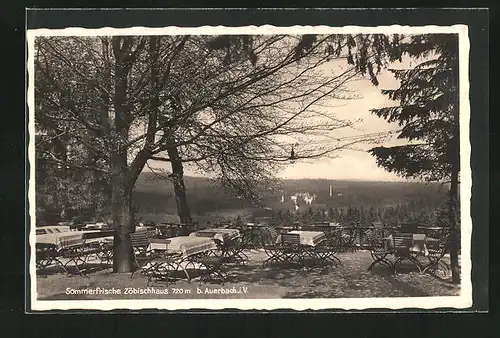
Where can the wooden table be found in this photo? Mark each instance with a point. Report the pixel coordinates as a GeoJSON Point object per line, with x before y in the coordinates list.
{"type": "Point", "coordinates": [418, 244]}
{"type": "Point", "coordinates": [310, 238]}
{"type": "Point", "coordinates": [183, 253]}
{"type": "Point", "coordinates": [221, 234]}
{"type": "Point", "coordinates": [411, 247]}
{"type": "Point", "coordinates": [74, 238]}
{"type": "Point", "coordinates": [185, 245]}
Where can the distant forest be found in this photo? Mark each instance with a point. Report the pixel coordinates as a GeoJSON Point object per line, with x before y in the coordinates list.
{"type": "Point", "coordinates": [359, 202]}
{"type": "Point", "coordinates": [351, 201]}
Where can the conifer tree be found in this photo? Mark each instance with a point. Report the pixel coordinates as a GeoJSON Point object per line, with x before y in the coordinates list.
{"type": "Point", "coordinates": [428, 112]}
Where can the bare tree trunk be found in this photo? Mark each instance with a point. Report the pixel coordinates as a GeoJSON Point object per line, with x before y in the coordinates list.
{"type": "Point", "coordinates": [124, 176]}
{"type": "Point", "coordinates": [123, 218]}
{"type": "Point", "coordinates": [179, 187]}
{"type": "Point", "coordinates": [121, 194]}
{"type": "Point", "coordinates": [455, 170]}
{"type": "Point", "coordinates": [454, 231]}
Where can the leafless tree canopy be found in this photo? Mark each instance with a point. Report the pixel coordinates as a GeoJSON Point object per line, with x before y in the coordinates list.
{"type": "Point", "coordinates": [231, 106]}
{"type": "Point", "coordinates": [217, 107]}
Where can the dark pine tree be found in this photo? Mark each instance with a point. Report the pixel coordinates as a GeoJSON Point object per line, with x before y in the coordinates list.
{"type": "Point", "coordinates": [428, 112]}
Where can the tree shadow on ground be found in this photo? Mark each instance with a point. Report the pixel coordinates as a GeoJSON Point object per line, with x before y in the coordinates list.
{"type": "Point", "coordinates": [71, 270]}
{"type": "Point", "coordinates": [282, 274]}
{"type": "Point", "coordinates": [351, 280]}
{"type": "Point", "coordinates": [404, 271]}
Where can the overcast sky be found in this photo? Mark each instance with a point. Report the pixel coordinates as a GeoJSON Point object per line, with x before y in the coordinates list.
{"type": "Point", "coordinates": [350, 164]}
{"type": "Point", "coordinates": [355, 165]}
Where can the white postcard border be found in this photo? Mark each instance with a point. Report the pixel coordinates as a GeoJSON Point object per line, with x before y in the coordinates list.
{"type": "Point", "coordinates": [458, 302]}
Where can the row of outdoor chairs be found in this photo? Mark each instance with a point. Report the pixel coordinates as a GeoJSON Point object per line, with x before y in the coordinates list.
{"type": "Point", "coordinates": [47, 255]}
{"type": "Point", "coordinates": [156, 265]}
{"type": "Point", "coordinates": [400, 249]}
{"type": "Point", "coordinates": [287, 248]}
{"type": "Point", "coordinates": [75, 255]}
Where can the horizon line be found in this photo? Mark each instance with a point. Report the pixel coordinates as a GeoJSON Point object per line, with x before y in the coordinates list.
{"type": "Point", "coordinates": [402, 180]}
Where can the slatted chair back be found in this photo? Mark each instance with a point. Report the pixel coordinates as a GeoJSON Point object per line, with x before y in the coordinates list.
{"type": "Point", "coordinates": [233, 242]}
{"type": "Point", "coordinates": [97, 234]}
{"type": "Point", "coordinates": [290, 239]}
{"type": "Point", "coordinates": [401, 241]}
{"type": "Point", "coordinates": [371, 235]}
{"type": "Point", "coordinates": [151, 233]}
{"type": "Point", "coordinates": [333, 235]}
{"type": "Point", "coordinates": [379, 229]}
{"type": "Point", "coordinates": [221, 245]}
{"type": "Point", "coordinates": [234, 250]}
{"type": "Point", "coordinates": [438, 247]}
{"type": "Point", "coordinates": [70, 244]}
{"type": "Point", "coordinates": [96, 239]}
{"type": "Point", "coordinates": [292, 250]}
{"type": "Point", "coordinates": [139, 239]}
{"type": "Point", "coordinates": [269, 236]}
{"type": "Point", "coordinates": [338, 239]}
{"type": "Point", "coordinates": [376, 235]}
{"type": "Point", "coordinates": [247, 237]}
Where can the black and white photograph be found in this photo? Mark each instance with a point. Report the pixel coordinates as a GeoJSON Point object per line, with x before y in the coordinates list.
{"type": "Point", "coordinates": [254, 167]}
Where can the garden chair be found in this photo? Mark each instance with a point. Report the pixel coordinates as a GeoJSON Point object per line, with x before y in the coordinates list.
{"type": "Point", "coordinates": [250, 238]}
{"type": "Point", "coordinates": [378, 249]}
{"type": "Point", "coordinates": [269, 242]}
{"type": "Point", "coordinates": [348, 239]}
{"type": "Point", "coordinates": [233, 250]}
{"type": "Point", "coordinates": [379, 230]}
{"type": "Point", "coordinates": [401, 247]}
{"type": "Point", "coordinates": [101, 250]}
{"type": "Point", "coordinates": [164, 267]}
{"type": "Point", "coordinates": [291, 249]}
{"type": "Point", "coordinates": [89, 247]}
{"type": "Point", "coordinates": [151, 233]}
{"type": "Point", "coordinates": [211, 264]}
{"type": "Point", "coordinates": [327, 250]}
{"type": "Point", "coordinates": [437, 249]}
{"type": "Point", "coordinates": [140, 243]}
{"type": "Point", "coordinates": [160, 265]}
{"type": "Point", "coordinates": [47, 255]}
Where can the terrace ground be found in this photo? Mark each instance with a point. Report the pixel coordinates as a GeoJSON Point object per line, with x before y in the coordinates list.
{"type": "Point", "coordinates": [352, 280]}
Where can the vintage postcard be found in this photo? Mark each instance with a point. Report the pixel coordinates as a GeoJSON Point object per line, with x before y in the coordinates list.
{"type": "Point", "coordinates": [253, 168]}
